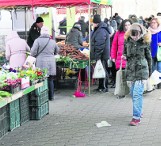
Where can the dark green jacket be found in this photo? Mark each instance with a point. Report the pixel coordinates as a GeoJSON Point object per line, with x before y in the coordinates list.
{"type": "Point", "coordinates": [139, 60]}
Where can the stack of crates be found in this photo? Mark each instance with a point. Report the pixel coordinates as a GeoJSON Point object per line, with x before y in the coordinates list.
{"type": "Point", "coordinates": [39, 102]}
{"type": "Point", "coordinates": [4, 121]}
{"type": "Point", "coordinates": [14, 114]}
{"type": "Point", "coordinates": [24, 109]}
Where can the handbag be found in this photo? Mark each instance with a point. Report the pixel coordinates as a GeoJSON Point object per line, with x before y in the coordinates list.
{"type": "Point", "coordinates": [31, 60]}
{"type": "Point", "coordinates": [159, 54]}
{"type": "Point", "coordinates": [121, 88]}
{"type": "Point", "coordinates": [99, 71]}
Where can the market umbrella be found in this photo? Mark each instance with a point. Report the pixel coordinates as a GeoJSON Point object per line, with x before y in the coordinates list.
{"type": "Point", "coordinates": [103, 2]}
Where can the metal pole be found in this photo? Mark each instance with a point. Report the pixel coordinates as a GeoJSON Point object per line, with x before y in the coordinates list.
{"type": "Point", "coordinates": [89, 70]}
{"type": "Point", "coordinates": [25, 25]}
{"type": "Point", "coordinates": [111, 11]}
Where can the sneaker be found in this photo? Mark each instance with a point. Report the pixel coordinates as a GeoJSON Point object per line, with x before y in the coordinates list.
{"type": "Point", "coordinates": [105, 90]}
{"type": "Point", "coordinates": [98, 90]}
{"type": "Point", "coordinates": [119, 97]}
{"type": "Point", "coordinates": [135, 122]}
{"type": "Point", "coordinates": [113, 86]}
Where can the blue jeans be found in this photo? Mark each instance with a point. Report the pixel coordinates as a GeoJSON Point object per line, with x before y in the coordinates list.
{"type": "Point", "coordinates": [136, 91]}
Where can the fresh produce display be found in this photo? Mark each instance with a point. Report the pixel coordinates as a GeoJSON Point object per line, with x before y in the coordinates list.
{"type": "Point", "coordinates": [5, 94]}
{"type": "Point", "coordinates": [73, 53]}
{"type": "Point", "coordinates": [65, 59]}
{"type": "Point", "coordinates": [33, 74]}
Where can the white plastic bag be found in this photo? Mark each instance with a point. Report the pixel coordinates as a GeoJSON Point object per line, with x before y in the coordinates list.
{"type": "Point", "coordinates": [30, 62]}
{"type": "Point", "coordinates": [121, 88]}
{"type": "Point", "coordinates": [148, 86]}
{"type": "Point", "coordinates": [99, 71]}
{"type": "Point", "coordinates": [155, 78]}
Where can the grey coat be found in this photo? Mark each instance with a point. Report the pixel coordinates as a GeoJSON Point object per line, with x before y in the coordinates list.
{"type": "Point", "coordinates": [46, 59]}
{"type": "Point", "coordinates": [74, 37]}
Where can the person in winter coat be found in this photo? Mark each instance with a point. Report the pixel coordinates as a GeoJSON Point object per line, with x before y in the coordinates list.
{"type": "Point", "coordinates": [34, 31]}
{"type": "Point", "coordinates": [139, 66]}
{"type": "Point", "coordinates": [100, 48]}
{"type": "Point", "coordinates": [62, 26]}
{"type": "Point", "coordinates": [74, 37]}
{"type": "Point", "coordinates": [155, 29]}
{"type": "Point", "coordinates": [84, 27]}
{"type": "Point", "coordinates": [16, 49]}
{"type": "Point", "coordinates": [46, 59]}
{"type": "Point", "coordinates": [117, 48]}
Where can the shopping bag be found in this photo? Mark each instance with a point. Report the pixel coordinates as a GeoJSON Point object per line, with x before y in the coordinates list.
{"type": "Point", "coordinates": [99, 71]}
{"type": "Point", "coordinates": [148, 86]}
{"type": "Point", "coordinates": [159, 54]}
{"type": "Point", "coordinates": [155, 78]}
{"type": "Point", "coordinates": [121, 88]}
{"type": "Point", "coordinates": [30, 62]}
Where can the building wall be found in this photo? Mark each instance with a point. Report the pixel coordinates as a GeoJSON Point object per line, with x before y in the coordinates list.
{"type": "Point", "coordinates": [139, 7]}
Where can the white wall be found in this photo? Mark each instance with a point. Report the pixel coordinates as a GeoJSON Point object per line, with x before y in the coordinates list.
{"type": "Point", "coordinates": [139, 7]}
{"type": "Point", "coordinates": [5, 22]}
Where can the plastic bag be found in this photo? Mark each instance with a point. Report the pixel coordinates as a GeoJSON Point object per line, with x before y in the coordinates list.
{"type": "Point", "coordinates": [30, 62]}
{"type": "Point", "coordinates": [148, 85]}
{"type": "Point", "coordinates": [99, 71]}
{"type": "Point", "coordinates": [121, 88]}
{"type": "Point", "coordinates": [155, 78]}
{"type": "Point", "coordinates": [159, 54]}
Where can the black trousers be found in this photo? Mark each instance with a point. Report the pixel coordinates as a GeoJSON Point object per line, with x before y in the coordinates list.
{"type": "Point", "coordinates": [51, 86]}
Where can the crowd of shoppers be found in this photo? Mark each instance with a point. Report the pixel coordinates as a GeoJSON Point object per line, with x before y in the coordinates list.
{"type": "Point", "coordinates": [130, 43]}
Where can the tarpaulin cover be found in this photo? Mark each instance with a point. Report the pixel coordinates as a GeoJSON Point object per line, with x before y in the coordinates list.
{"type": "Point", "coordinates": [13, 3]}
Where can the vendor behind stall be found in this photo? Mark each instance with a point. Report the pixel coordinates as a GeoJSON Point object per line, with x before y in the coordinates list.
{"type": "Point", "coordinates": [74, 37]}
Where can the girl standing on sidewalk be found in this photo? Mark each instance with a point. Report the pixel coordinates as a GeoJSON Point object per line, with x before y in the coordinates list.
{"type": "Point", "coordinates": [139, 66]}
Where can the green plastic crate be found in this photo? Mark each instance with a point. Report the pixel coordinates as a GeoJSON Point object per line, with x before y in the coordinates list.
{"type": "Point", "coordinates": [37, 112]}
{"type": "Point", "coordinates": [38, 100]}
{"type": "Point", "coordinates": [41, 89]}
{"type": "Point", "coordinates": [14, 114]}
{"type": "Point", "coordinates": [4, 121]}
{"type": "Point", "coordinates": [24, 109]}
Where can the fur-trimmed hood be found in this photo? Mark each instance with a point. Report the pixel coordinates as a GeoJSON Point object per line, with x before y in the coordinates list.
{"type": "Point", "coordinates": [145, 34]}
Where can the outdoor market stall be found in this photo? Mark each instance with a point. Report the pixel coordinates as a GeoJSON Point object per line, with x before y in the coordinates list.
{"type": "Point", "coordinates": [13, 102]}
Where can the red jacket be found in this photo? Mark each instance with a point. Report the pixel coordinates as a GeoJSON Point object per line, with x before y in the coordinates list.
{"type": "Point", "coordinates": [117, 49]}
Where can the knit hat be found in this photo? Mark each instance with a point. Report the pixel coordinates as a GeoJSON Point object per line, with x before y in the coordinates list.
{"type": "Point", "coordinates": [39, 19]}
{"type": "Point", "coordinates": [139, 27]}
{"type": "Point", "coordinates": [136, 26]}
{"type": "Point", "coordinates": [77, 25]}
{"type": "Point", "coordinates": [96, 19]}
{"type": "Point", "coordinates": [44, 30]}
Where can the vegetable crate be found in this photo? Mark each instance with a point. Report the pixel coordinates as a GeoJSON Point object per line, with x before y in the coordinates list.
{"type": "Point", "coordinates": [42, 88]}
{"type": "Point", "coordinates": [37, 112]}
{"type": "Point", "coordinates": [12, 89]}
{"type": "Point", "coordinates": [38, 100]}
{"type": "Point", "coordinates": [4, 121]}
{"type": "Point", "coordinates": [67, 83]}
{"type": "Point", "coordinates": [14, 114]}
{"type": "Point", "coordinates": [24, 109]}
